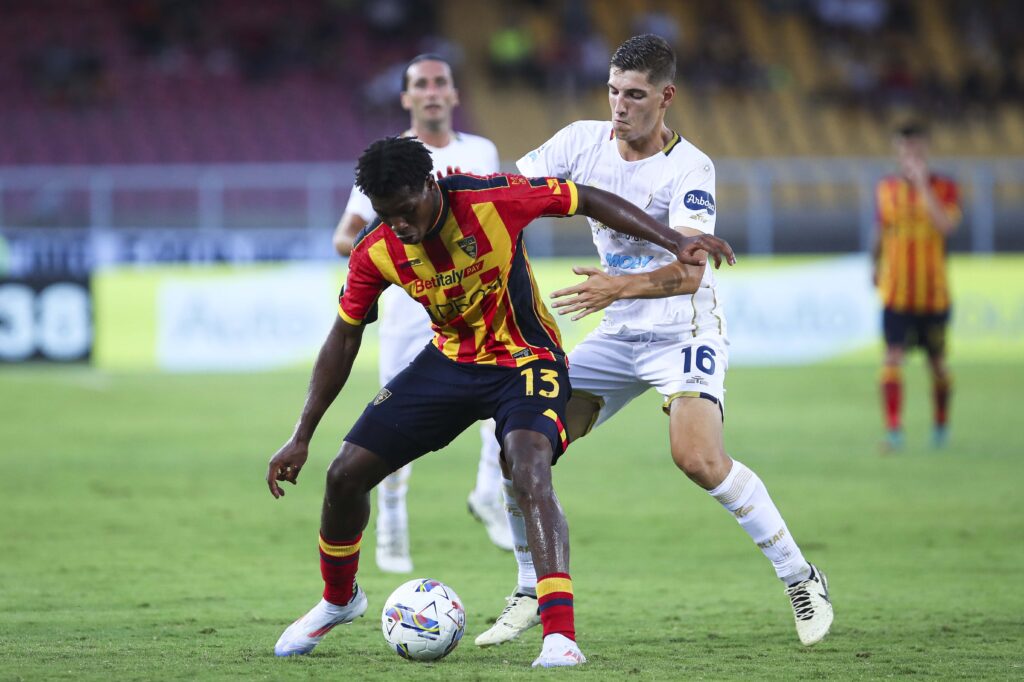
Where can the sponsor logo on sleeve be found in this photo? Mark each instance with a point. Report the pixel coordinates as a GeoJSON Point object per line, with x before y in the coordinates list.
{"type": "Point", "coordinates": [699, 200]}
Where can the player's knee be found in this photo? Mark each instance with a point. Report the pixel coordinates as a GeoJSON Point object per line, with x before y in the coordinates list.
{"type": "Point", "coordinates": [342, 479]}
{"type": "Point", "coordinates": [701, 464]}
{"type": "Point", "coordinates": [529, 463]}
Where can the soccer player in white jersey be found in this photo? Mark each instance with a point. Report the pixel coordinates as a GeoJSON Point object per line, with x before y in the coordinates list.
{"type": "Point", "coordinates": [651, 336]}
{"type": "Point", "coordinates": [429, 95]}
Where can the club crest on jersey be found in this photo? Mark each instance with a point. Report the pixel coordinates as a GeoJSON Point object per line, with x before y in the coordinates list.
{"type": "Point", "coordinates": [383, 395]}
{"type": "Point", "coordinates": [699, 200]}
{"type": "Point", "coordinates": [468, 245]}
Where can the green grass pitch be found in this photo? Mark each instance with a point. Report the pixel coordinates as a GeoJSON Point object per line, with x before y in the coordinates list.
{"type": "Point", "coordinates": [140, 542]}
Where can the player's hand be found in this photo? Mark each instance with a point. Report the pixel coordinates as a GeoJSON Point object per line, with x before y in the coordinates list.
{"type": "Point", "coordinates": [916, 169]}
{"type": "Point", "coordinates": [451, 170]}
{"type": "Point", "coordinates": [285, 465]}
{"type": "Point", "coordinates": [596, 292]}
{"type": "Point", "coordinates": [691, 248]}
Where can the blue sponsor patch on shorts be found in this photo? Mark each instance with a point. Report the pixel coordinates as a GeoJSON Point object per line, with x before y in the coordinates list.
{"type": "Point", "coordinates": [699, 200]}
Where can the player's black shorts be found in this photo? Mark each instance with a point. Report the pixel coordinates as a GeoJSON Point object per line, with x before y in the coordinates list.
{"type": "Point", "coordinates": [435, 399]}
{"type": "Point", "coordinates": [927, 331]}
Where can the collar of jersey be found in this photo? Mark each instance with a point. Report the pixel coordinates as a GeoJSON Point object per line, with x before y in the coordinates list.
{"type": "Point", "coordinates": [669, 146]}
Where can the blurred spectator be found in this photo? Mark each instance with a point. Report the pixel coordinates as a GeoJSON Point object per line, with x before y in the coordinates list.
{"type": "Point", "coordinates": [660, 22]}
{"type": "Point", "coordinates": [67, 76]}
{"type": "Point", "coordinates": [716, 57]}
{"type": "Point", "coordinates": [512, 54]}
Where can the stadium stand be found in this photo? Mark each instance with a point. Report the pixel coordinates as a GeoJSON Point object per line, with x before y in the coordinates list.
{"type": "Point", "coordinates": [150, 81]}
{"type": "Point", "coordinates": [767, 78]}
{"type": "Point", "coordinates": [145, 81]}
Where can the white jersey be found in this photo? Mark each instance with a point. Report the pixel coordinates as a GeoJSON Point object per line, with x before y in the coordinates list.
{"type": "Point", "coordinates": [675, 187]}
{"type": "Point", "coordinates": [400, 315]}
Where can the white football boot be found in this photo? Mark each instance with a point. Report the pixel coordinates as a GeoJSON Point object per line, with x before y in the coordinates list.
{"type": "Point", "coordinates": [491, 513]}
{"type": "Point", "coordinates": [520, 615]}
{"type": "Point", "coordinates": [559, 651]}
{"type": "Point", "coordinates": [812, 607]}
{"type": "Point", "coordinates": [303, 635]}
{"type": "Point", "coordinates": [392, 551]}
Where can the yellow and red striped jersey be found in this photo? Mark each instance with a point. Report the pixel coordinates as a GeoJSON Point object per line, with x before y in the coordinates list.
{"type": "Point", "coordinates": [471, 272]}
{"type": "Point", "coordinates": [912, 270]}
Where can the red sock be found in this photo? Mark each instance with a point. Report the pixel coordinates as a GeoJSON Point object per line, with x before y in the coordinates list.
{"type": "Point", "coordinates": [892, 396]}
{"type": "Point", "coordinates": [940, 395]}
{"type": "Point", "coordinates": [554, 598]}
{"type": "Point", "coordinates": [339, 562]}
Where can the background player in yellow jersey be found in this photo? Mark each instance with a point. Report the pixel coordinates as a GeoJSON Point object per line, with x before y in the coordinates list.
{"type": "Point", "coordinates": [456, 246]}
{"type": "Point", "coordinates": [917, 210]}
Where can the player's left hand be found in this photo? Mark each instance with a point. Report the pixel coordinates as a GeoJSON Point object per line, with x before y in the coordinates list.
{"type": "Point", "coordinates": [451, 170]}
{"type": "Point", "coordinates": [595, 293]}
{"type": "Point", "coordinates": [719, 250]}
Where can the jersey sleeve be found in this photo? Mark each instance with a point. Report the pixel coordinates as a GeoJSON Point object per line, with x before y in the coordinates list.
{"type": "Point", "coordinates": [883, 215]}
{"type": "Point", "coordinates": [551, 159]}
{"type": "Point", "coordinates": [359, 204]}
{"type": "Point", "coordinates": [526, 199]}
{"type": "Point", "coordinates": [357, 302]}
{"type": "Point", "coordinates": [693, 201]}
{"type": "Point", "coordinates": [949, 196]}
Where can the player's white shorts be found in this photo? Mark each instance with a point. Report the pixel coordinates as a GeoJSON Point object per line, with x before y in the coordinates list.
{"type": "Point", "coordinates": [618, 368]}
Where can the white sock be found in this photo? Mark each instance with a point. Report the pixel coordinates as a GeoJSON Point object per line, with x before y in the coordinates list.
{"type": "Point", "coordinates": [743, 494]}
{"type": "Point", "coordinates": [488, 472]}
{"type": "Point", "coordinates": [524, 559]}
{"type": "Point", "coordinates": [391, 493]}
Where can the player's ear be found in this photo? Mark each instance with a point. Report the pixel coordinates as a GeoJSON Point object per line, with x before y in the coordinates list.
{"type": "Point", "coordinates": [668, 93]}
{"type": "Point", "coordinates": [455, 97]}
{"type": "Point", "coordinates": [406, 104]}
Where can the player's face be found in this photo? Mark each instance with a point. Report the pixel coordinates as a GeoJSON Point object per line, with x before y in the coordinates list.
{"type": "Point", "coordinates": [911, 152]}
{"type": "Point", "coordinates": [430, 95]}
{"type": "Point", "coordinates": [410, 213]}
{"type": "Point", "coordinates": [638, 106]}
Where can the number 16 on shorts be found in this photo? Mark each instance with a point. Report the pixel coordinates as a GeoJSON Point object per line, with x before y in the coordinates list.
{"type": "Point", "coordinates": [703, 357]}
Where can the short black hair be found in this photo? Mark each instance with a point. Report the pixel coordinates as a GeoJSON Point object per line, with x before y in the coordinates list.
{"type": "Point", "coordinates": [393, 164]}
{"type": "Point", "coordinates": [910, 129]}
{"type": "Point", "coordinates": [425, 57]}
{"type": "Point", "coordinates": [648, 54]}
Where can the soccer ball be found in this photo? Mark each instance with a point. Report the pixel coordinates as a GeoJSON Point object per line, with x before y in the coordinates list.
{"type": "Point", "coordinates": [423, 620]}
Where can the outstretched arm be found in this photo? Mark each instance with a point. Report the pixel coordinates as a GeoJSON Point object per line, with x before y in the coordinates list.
{"type": "Point", "coordinates": [622, 216]}
{"type": "Point", "coordinates": [600, 289]}
{"type": "Point", "coordinates": [331, 371]}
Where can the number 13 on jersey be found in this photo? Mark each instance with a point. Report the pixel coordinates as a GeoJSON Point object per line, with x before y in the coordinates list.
{"type": "Point", "coordinates": [548, 381]}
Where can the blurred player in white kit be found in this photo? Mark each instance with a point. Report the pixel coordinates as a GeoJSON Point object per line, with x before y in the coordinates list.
{"type": "Point", "coordinates": [429, 95]}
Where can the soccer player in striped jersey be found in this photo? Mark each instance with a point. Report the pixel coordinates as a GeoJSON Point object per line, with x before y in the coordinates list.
{"type": "Point", "coordinates": [455, 245]}
{"type": "Point", "coordinates": [429, 94]}
{"type": "Point", "coordinates": [657, 331]}
{"type": "Point", "coordinates": [917, 211]}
